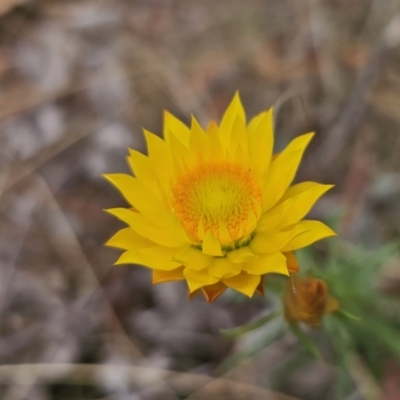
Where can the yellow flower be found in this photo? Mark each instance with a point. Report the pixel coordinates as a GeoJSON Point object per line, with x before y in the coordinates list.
{"type": "Point", "coordinates": [307, 300]}
{"type": "Point", "coordinates": [214, 206]}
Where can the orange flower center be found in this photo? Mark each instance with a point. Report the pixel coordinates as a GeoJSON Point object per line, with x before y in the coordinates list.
{"type": "Point", "coordinates": [219, 197]}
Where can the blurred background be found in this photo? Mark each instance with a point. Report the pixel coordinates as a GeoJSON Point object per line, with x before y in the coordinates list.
{"type": "Point", "coordinates": [78, 80]}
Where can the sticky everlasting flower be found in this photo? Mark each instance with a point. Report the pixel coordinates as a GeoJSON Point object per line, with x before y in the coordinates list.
{"type": "Point", "coordinates": [307, 300]}
{"type": "Point", "coordinates": [215, 207]}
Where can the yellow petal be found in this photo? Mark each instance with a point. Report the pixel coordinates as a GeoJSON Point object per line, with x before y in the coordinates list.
{"type": "Point", "coordinates": [198, 279]}
{"type": "Point", "coordinates": [270, 242]}
{"type": "Point", "coordinates": [216, 148]}
{"type": "Point", "coordinates": [252, 126]}
{"type": "Point", "coordinates": [234, 110]}
{"type": "Point", "coordinates": [178, 168]}
{"type": "Point", "coordinates": [262, 142]}
{"type": "Point", "coordinates": [238, 137]}
{"type": "Point", "coordinates": [156, 257]}
{"type": "Point", "coordinates": [141, 167]}
{"type": "Point", "coordinates": [241, 156]}
{"type": "Point", "coordinates": [212, 292]}
{"type": "Point", "coordinates": [291, 261]}
{"type": "Point", "coordinates": [311, 232]}
{"type": "Point", "coordinates": [305, 195]}
{"type": "Point", "coordinates": [283, 169]}
{"type": "Point", "coordinates": [241, 255]}
{"type": "Point", "coordinates": [223, 267]}
{"type": "Point", "coordinates": [251, 222]}
{"type": "Point", "coordinates": [161, 159]}
{"type": "Point", "coordinates": [300, 188]}
{"type": "Point", "coordinates": [299, 143]}
{"type": "Point", "coordinates": [167, 276]}
{"type": "Point", "coordinates": [137, 195]}
{"type": "Point", "coordinates": [193, 258]}
{"type": "Point", "coordinates": [199, 143]}
{"type": "Point", "coordinates": [165, 232]}
{"type": "Point", "coordinates": [244, 283]}
{"type": "Point", "coordinates": [182, 155]}
{"type": "Point", "coordinates": [267, 264]}
{"type": "Point", "coordinates": [173, 126]}
{"type": "Point", "coordinates": [212, 128]}
{"type": "Point", "coordinates": [127, 239]}
{"type": "Point", "coordinates": [270, 219]}
{"type": "Point", "coordinates": [200, 230]}
{"type": "Point", "coordinates": [211, 245]}
{"type": "Point", "coordinates": [223, 234]}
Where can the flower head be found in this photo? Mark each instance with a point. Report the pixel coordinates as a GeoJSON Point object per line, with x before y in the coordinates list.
{"type": "Point", "coordinates": [307, 300]}
{"type": "Point", "coordinates": [215, 207]}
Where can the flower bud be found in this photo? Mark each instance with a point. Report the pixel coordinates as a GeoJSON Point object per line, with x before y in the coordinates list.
{"type": "Point", "coordinates": [307, 300]}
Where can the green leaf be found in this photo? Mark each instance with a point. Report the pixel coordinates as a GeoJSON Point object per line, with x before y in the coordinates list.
{"type": "Point", "coordinates": [232, 333]}
{"type": "Point", "coordinates": [347, 315]}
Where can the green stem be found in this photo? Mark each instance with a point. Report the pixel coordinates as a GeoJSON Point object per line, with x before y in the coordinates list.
{"type": "Point", "coordinates": [305, 340]}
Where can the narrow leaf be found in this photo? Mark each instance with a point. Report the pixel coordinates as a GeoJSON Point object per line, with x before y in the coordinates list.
{"type": "Point", "coordinates": [240, 330]}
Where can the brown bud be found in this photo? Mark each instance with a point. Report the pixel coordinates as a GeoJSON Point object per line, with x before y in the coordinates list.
{"type": "Point", "coordinates": [307, 300]}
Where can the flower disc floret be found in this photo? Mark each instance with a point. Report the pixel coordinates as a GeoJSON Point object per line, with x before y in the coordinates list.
{"type": "Point", "coordinates": [217, 197]}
